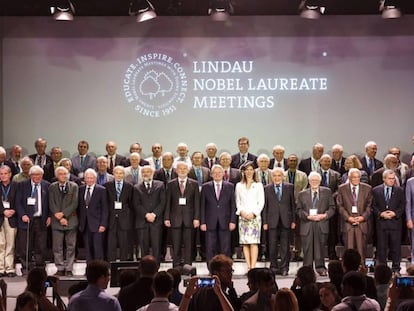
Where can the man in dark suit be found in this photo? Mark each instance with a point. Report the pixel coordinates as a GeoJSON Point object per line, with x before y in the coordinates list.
{"type": "Point", "coordinates": [388, 203]}
{"type": "Point", "coordinates": [182, 213]}
{"type": "Point", "coordinates": [218, 213]}
{"type": "Point", "coordinates": [338, 161]}
{"type": "Point", "coordinates": [14, 160]}
{"type": "Point", "coordinates": [369, 162]}
{"type": "Point", "coordinates": [149, 205]}
{"type": "Point", "coordinates": [230, 174]}
{"type": "Point", "coordinates": [93, 215]}
{"type": "Point", "coordinates": [40, 158]}
{"type": "Point", "coordinates": [114, 159]}
{"type": "Point", "coordinates": [332, 180]}
{"type": "Point", "coordinates": [63, 203]}
{"type": "Point", "coordinates": [121, 215]}
{"type": "Point", "coordinates": [4, 161]}
{"type": "Point", "coordinates": [102, 169]}
{"type": "Point", "coordinates": [243, 155]}
{"type": "Point", "coordinates": [315, 206]}
{"type": "Point", "coordinates": [311, 164]}
{"type": "Point", "coordinates": [135, 147]}
{"type": "Point", "coordinates": [83, 160]}
{"type": "Point", "coordinates": [278, 158]}
{"type": "Point", "coordinates": [32, 206]}
{"type": "Point", "coordinates": [211, 158]}
{"type": "Point", "coordinates": [198, 172]}
{"type": "Point", "coordinates": [354, 202]}
{"type": "Point", "coordinates": [167, 172]}
{"type": "Point", "coordinates": [56, 155]}
{"type": "Point", "coordinates": [391, 163]}
{"type": "Point", "coordinates": [8, 222]}
{"type": "Point", "coordinates": [279, 219]}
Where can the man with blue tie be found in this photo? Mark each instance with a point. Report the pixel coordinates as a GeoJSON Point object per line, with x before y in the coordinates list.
{"type": "Point", "coordinates": [32, 206]}
{"type": "Point", "coordinates": [103, 176]}
{"type": "Point", "coordinates": [198, 172]}
{"type": "Point", "coordinates": [155, 161]}
{"type": "Point", "coordinates": [83, 160]}
{"type": "Point", "coordinates": [388, 203]}
{"type": "Point", "coordinates": [369, 163]}
{"type": "Point", "coordinates": [218, 213]}
{"type": "Point", "coordinates": [279, 219]}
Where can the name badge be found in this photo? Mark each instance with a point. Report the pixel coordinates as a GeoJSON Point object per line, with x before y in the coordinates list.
{"type": "Point", "coordinates": [354, 210]}
{"type": "Point", "coordinates": [31, 201]}
{"type": "Point", "coordinates": [6, 204]}
{"type": "Point", "coordinates": [313, 212]}
{"type": "Point", "coordinates": [182, 201]}
{"type": "Point", "coordinates": [118, 205]}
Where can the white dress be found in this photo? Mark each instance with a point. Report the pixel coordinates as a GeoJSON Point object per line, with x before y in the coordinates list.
{"type": "Point", "coordinates": [250, 201]}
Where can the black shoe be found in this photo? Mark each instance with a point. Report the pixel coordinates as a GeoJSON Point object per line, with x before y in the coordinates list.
{"type": "Point", "coordinates": [284, 273]}
{"type": "Point", "coordinates": [2, 274]}
{"type": "Point", "coordinates": [60, 273]}
{"type": "Point", "coordinates": [11, 274]}
{"type": "Point", "coordinates": [297, 258]}
{"type": "Point", "coordinates": [69, 273]}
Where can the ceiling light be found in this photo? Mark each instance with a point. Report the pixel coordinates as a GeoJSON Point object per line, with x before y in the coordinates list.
{"type": "Point", "coordinates": [63, 10]}
{"type": "Point", "coordinates": [220, 10]}
{"type": "Point", "coordinates": [311, 9]}
{"type": "Point", "coordinates": [142, 9]}
{"type": "Point", "coordinates": [390, 8]}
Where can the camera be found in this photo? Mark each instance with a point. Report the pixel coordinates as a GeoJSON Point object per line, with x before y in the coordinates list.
{"type": "Point", "coordinates": [49, 282]}
{"type": "Point", "coordinates": [206, 282]}
{"type": "Point", "coordinates": [405, 281]}
{"type": "Point", "coordinates": [370, 263]}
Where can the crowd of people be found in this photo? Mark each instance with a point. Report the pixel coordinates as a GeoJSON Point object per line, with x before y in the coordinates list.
{"type": "Point", "coordinates": [115, 207]}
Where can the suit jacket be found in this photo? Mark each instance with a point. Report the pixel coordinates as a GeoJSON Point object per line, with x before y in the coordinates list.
{"type": "Point", "coordinates": [207, 164]}
{"type": "Point", "coordinates": [345, 201]}
{"type": "Point", "coordinates": [300, 182]}
{"type": "Point", "coordinates": [236, 160]}
{"type": "Point", "coordinates": [49, 171]}
{"type": "Point", "coordinates": [33, 157]}
{"type": "Point", "coordinates": [268, 176]}
{"type": "Point", "coordinates": [234, 176]}
{"type": "Point", "coordinates": [130, 300]}
{"type": "Point", "coordinates": [272, 163]}
{"type": "Point", "coordinates": [96, 214]}
{"type": "Point", "coordinates": [151, 162]}
{"type": "Point", "coordinates": [325, 204]}
{"type": "Point", "coordinates": [341, 168]}
{"type": "Point", "coordinates": [376, 178]}
{"type": "Point", "coordinates": [149, 202]}
{"type": "Point", "coordinates": [334, 180]}
{"type": "Point", "coordinates": [119, 160]}
{"type": "Point", "coordinates": [88, 162]}
{"type": "Point", "coordinates": [205, 172]}
{"type": "Point", "coordinates": [305, 165]}
{"type": "Point", "coordinates": [142, 162]}
{"type": "Point", "coordinates": [377, 164]}
{"type": "Point", "coordinates": [178, 214]}
{"type": "Point", "coordinates": [104, 178]}
{"type": "Point", "coordinates": [129, 177]}
{"type": "Point", "coordinates": [24, 191]}
{"type": "Point", "coordinates": [125, 215]}
{"type": "Point", "coordinates": [281, 212]}
{"type": "Point", "coordinates": [11, 197]}
{"type": "Point", "coordinates": [161, 175]}
{"type": "Point", "coordinates": [257, 302]}
{"type": "Point", "coordinates": [409, 196]}
{"type": "Point", "coordinates": [66, 202]}
{"type": "Point", "coordinates": [396, 204]}
{"type": "Point", "coordinates": [222, 211]}
{"type": "Point", "coordinates": [12, 166]}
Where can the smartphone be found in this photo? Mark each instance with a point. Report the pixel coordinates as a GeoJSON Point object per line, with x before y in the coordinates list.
{"type": "Point", "coordinates": [48, 284]}
{"type": "Point", "coordinates": [405, 281]}
{"type": "Point", "coordinates": [369, 263]}
{"type": "Point", "coordinates": [206, 282]}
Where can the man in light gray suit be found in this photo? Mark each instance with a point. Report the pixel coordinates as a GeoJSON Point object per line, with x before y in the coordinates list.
{"type": "Point", "coordinates": [133, 172]}
{"type": "Point", "coordinates": [263, 173]}
{"type": "Point", "coordinates": [315, 206]}
{"type": "Point", "coordinates": [63, 202]}
{"type": "Point", "coordinates": [82, 161]}
{"type": "Point", "coordinates": [409, 211]}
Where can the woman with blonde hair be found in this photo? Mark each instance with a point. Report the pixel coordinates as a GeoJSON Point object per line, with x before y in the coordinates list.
{"type": "Point", "coordinates": [285, 300]}
{"type": "Point", "coordinates": [353, 162]}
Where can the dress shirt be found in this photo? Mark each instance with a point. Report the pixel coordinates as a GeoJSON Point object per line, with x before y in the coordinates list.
{"type": "Point", "coordinates": [38, 197]}
{"type": "Point", "coordinates": [159, 304]}
{"type": "Point", "coordinates": [93, 298]}
{"type": "Point", "coordinates": [315, 165]}
{"type": "Point", "coordinates": [90, 190]}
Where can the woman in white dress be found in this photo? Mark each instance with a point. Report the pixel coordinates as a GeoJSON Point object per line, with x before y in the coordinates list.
{"type": "Point", "coordinates": [249, 202]}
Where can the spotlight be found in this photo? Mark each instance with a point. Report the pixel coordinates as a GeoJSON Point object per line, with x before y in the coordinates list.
{"type": "Point", "coordinates": [63, 10]}
{"type": "Point", "coordinates": [311, 9]}
{"type": "Point", "coordinates": [220, 10]}
{"type": "Point", "coordinates": [390, 8]}
{"type": "Point", "coordinates": [142, 9]}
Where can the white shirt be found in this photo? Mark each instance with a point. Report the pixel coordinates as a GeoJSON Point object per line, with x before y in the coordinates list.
{"type": "Point", "coordinates": [159, 304]}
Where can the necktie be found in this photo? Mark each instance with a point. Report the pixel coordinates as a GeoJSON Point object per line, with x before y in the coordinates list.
{"type": "Point", "coordinates": [88, 196]}
{"type": "Point", "coordinates": [243, 159]}
{"type": "Point", "coordinates": [62, 189]}
{"type": "Point", "coordinates": [291, 177]}
{"type": "Point", "coordinates": [82, 160]}
{"type": "Point", "coordinates": [182, 187]}
{"type": "Point", "coordinates": [17, 167]}
{"type": "Point", "coordinates": [338, 165]}
{"type": "Point", "coordinates": [118, 190]}
{"type": "Point", "coordinates": [39, 161]}
{"type": "Point", "coordinates": [211, 163]}
{"type": "Point", "coordinates": [278, 193]}
{"type": "Point", "coordinates": [218, 191]}
{"type": "Point", "coordinates": [199, 176]}
{"type": "Point", "coordinates": [371, 166]}
{"type": "Point", "coordinates": [111, 165]}
{"type": "Point", "coordinates": [387, 196]}
{"type": "Point", "coordinates": [226, 175]}
{"type": "Point", "coordinates": [168, 176]}
{"type": "Point", "coordinates": [264, 178]}
{"type": "Point", "coordinates": [134, 176]}
{"type": "Point", "coordinates": [278, 164]}
{"type": "Point", "coordinates": [325, 179]}
{"type": "Point", "coordinates": [35, 194]}
{"type": "Point", "coordinates": [315, 199]}
{"type": "Point", "coordinates": [354, 197]}
{"type": "Point", "coordinates": [157, 164]}
{"type": "Point", "coordinates": [148, 186]}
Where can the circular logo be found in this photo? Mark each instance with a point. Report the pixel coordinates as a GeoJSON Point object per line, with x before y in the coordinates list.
{"type": "Point", "coordinates": [155, 84]}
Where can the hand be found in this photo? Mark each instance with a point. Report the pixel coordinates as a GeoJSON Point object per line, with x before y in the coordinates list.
{"type": "Point", "coordinates": [292, 226]}
{"type": "Point", "coordinates": [48, 221]}
{"type": "Point", "coordinates": [101, 229]}
{"type": "Point", "coordinates": [59, 215]}
{"type": "Point", "coordinates": [409, 224]}
{"type": "Point", "coordinates": [217, 286]}
{"type": "Point", "coordinates": [63, 222]}
{"type": "Point", "coordinates": [191, 287]}
{"type": "Point", "coordinates": [167, 223]}
{"type": "Point", "coordinates": [25, 218]}
{"type": "Point", "coordinates": [391, 214]}
{"type": "Point", "coordinates": [311, 218]}
{"type": "Point", "coordinates": [265, 227]}
{"type": "Point", "coordinates": [359, 219]}
{"type": "Point", "coordinates": [9, 212]}
{"type": "Point", "coordinates": [196, 223]}
{"type": "Point", "coordinates": [203, 227]}
{"type": "Point", "coordinates": [384, 215]}
{"type": "Point", "coordinates": [232, 226]}
{"type": "Point", "coordinates": [150, 217]}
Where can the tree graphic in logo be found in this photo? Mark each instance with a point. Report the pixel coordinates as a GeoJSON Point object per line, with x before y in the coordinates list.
{"type": "Point", "coordinates": [155, 83]}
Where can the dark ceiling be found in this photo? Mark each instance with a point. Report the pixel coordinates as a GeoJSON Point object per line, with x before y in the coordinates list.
{"type": "Point", "coordinates": [194, 7]}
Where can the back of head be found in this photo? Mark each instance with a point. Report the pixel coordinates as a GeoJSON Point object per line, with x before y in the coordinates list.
{"type": "Point", "coordinates": [351, 260]}
{"type": "Point", "coordinates": [335, 270]}
{"type": "Point", "coordinates": [218, 262]}
{"type": "Point", "coordinates": [252, 278]}
{"type": "Point", "coordinates": [127, 276]}
{"type": "Point", "coordinates": [382, 274]}
{"type": "Point", "coordinates": [286, 300]}
{"type": "Point", "coordinates": [36, 281]}
{"type": "Point", "coordinates": [95, 269]}
{"type": "Point", "coordinates": [163, 284]}
{"type": "Point", "coordinates": [148, 266]}
{"type": "Point", "coordinates": [175, 273]}
{"type": "Point", "coordinates": [354, 284]}
{"type": "Point", "coordinates": [26, 301]}
{"type": "Point", "coordinates": [306, 275]}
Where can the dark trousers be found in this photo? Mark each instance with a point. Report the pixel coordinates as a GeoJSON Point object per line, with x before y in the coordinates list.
{"type": "Point", "coordinates": [333, 237]}
{"type": "Point", "coordinates": [280, 236]}
{"type": "Point", "coordinates": [182, 236]}
{"type": "Point", "coordinates": [218, 242]}
{"type": "Point", "coordinates": [117, 237]}
{"type": "Point", "coordinates": [313, 247]}
{"type": "Point", "coordinates": [36, 241]}
{"type": "Point", "coordinates": [389, 240]}
{"type": "Point", "coordinates": [150, 237]}
{"type": "Point", "coordinates": [94, 244]}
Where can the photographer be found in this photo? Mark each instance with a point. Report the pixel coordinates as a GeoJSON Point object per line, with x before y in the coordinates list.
{"type": "Point", "coordinates": [400, 298]}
